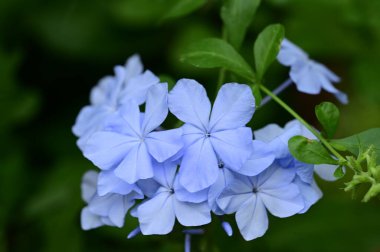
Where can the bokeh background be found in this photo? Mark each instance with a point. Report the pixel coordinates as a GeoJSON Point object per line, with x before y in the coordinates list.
{"type": "Point", "coordinates": [53, 52]}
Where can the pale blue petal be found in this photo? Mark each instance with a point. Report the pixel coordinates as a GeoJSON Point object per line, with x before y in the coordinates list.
{"type": "Point", "coordinates": [137, 87]}
{"type": "Point", "coordinates": [90, 119]}
{"type": "Point", "coordinates": [101, 205]}
{"type": "Point", "coordinates": [305, 78]}
{"type": "Point", "coordinates": [235, 194]}
{"type": "Point", "coordinates": [261, 158]}
{"type": "Point", "coordinates": [275, 177]}
{"type": "Point", "coordinates": [108, 182]}
{"type": "Point", "coordinates": [133, 67]}
{"type": "Point", "coordinates": [156, 107]}
{"type": "Point", "coordinates": [129, 121]}
{"type": "Point", "coordinates": [326, 172]}
{"type": "Point", "coordinates": [290, 54]}
{"type": "Point", "coordinates": [188, 101]}
{"type": "Point", "coordinates": [156, 215]}
{"type": "Point", "coordinates": [192, 214]}
{"type": "Point", "coordinates": [88, 186]}
{"type": "Point", "coordinates": [164, 144]}
{"type": "Point", "coordinates": [342, 97]}
{"type": "Point", "coordinates": [136, 165]}
{"type": "Point", "coordinates": [233, 107]}
{"type": "Point", "coordinates": [304, 171]}
{"type": "Point", "coordinates": [310, 193]}
{"type": "Point", "coordinates": [268, 133]}
{"type": "Point", "coordinates": [119, 209]}
{"type": "Point", "coordinates": [149, 187]}
{"type": "Point", "coordinates": [199, 166]}
{"type": "Point", "coordinates": [224, 178]}
{"type": "Point", "coordinates": [282, 201]}
{"type": "Point", "coordinates": [191, 134]}
{"type": "Point", "coordinates": [183, 195]}
{"type": "Point", "coordinates": [165, 173]}
{"type": "Point", "coordinates": [89, 220]}
{"type": "Point", "coordinates": [233, 147]}
{"type": "Point", "coordinates": [107, 149]}
{"type": "Point", "coordinates": [101, 94]}
{"type": "Point", "coordinates": [252, 218]}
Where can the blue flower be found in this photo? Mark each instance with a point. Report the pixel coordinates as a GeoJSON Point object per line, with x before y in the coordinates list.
{"type": "Point", "coordinates": [157, 214]}
{"type": "Point", "coordinates": [128, 144]}
{"type": "Point", "coordinates": [261, 158]}
{"type": "Point", "coordinates": [129, 83]}
{"type": "Point", "coordinates": [277, 138]}
{"type": "Point", "coordinates": [109, 209]}
{"type": "Point", "coordinates": [251, 197]}
{"type": "Point", "coordinates": [308, 75]}
{"type": "Point", "coordinates": [212, 136]}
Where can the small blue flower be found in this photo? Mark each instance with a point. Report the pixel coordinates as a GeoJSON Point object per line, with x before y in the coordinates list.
{"type": "Point", "coordinates": [109, 209]}
{"type": "Point", "coordinates": [129, 83]}
{"type": "Point", "coordinates": [128, 144]}
{"type": "Point", "coordinates": [308, 75]}
{"type": "Point", "coordinates": [277, 138]}
{"type": "Point", "coordinates": [157, 214]}
{"type": "Point", "coordinates": [212, 136]}
{"type": "Point", "coordinates": [251, 197]}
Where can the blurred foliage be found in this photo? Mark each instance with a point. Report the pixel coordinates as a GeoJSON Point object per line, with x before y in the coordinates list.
{"type": "Point", "coordinates": [53, 52]}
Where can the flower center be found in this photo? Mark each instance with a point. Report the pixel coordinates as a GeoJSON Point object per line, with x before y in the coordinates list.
{"type": "Point", "coordinates": [221, 164]}
{"type": "Point", "coordinates": [207, 134]}
{"type": "Point", "coordinates": [255, 190]}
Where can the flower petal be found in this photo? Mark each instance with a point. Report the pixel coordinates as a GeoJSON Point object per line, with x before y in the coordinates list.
{"type": "Point", "coordinates": [156, 107]}
{"type": "Point", "coordinates": [199, 166]}
{"type": "Point", "coordinates": [119, 209]}
{"type": "Point", "coordinates": [261, 158]}
{"type": "Point", "coordinates": [275, 177]}
{"type": "Point", "coordinates": [233, 107]}
{"type": "Point", "coordinates": [233, 147]}
{"type": "Point", "coordinates": [188, 101]}
{"type": "Point", "coordinates": [238, 191]}
{"type": "Point", "coordinates": [325, 171]}
{"type": "Point", "coordinates": [310, 193]}
{"type": "Point", "coordinates": [252, 218]}
{"type": "Point", "coordinates": [224, 178]}
{"type": "Point", "coordinates": [133, 66]}
{"type": "Point", "coordinates": [107, 149]}
{"type": "Point", "coordinates": [137, 87]}
{"type": "Point", "coordinates": [183, 195]}
{"type": "Point", "coordinates": [165, 173]}
{"type": "Point", "coordinates": [136, 165]}
{"type": "Point", "coordinates": [109, 183]}
{"type": "Point", "coordinates": [164, 144]}
{"type": "Point", "coordinates": [305, 78]}
{"type": "Point", "coordinates": [156, 215]}
{"type": "Point", "coordinates": [192, 214]}
{"type": "Point", "coordinates": [282, 201]}
{"type": "Point", "coordinates": [88, 186]}
{"type": "Point", "coordinates": [89, 220]}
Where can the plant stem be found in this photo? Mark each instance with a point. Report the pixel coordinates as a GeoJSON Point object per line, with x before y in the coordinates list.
{"type": "Point", "coordinates": [308, 126]}
{"type": "Point", "coordinates": [277, 91]}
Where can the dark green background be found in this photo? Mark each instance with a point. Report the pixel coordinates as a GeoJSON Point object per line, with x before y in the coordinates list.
{"type": "Point", "coordinates": [53, 52]}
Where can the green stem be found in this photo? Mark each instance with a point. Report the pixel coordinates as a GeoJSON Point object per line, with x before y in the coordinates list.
{"type": "Point", "coordinates": [308, 126]}
{"type": "Point", "coordinates": [222, 75]}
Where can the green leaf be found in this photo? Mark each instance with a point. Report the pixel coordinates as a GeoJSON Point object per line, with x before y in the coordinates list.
{"type": "Point", "coordinates": [339, 172]}
{"type": "Point", "coordinates": [266, 48]}
{"type": "Point", "coordinates": [361, 141]}
{"type": "Point", "coordinates": [237, 16]}
{"type": "Point", "coordinates": [182, 8]}
{"type": "Point", "coordinates": [328, 115]}
{"type": "Point", "coordinates": [310, 151]}
{"type": "Point", "coordinates": [213, 52]}
{"type": "Point", "coordinates": [257, 94]}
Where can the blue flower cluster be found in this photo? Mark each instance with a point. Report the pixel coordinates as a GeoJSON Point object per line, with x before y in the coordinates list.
{"type": "Point", "coordinates": [213, 163]}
